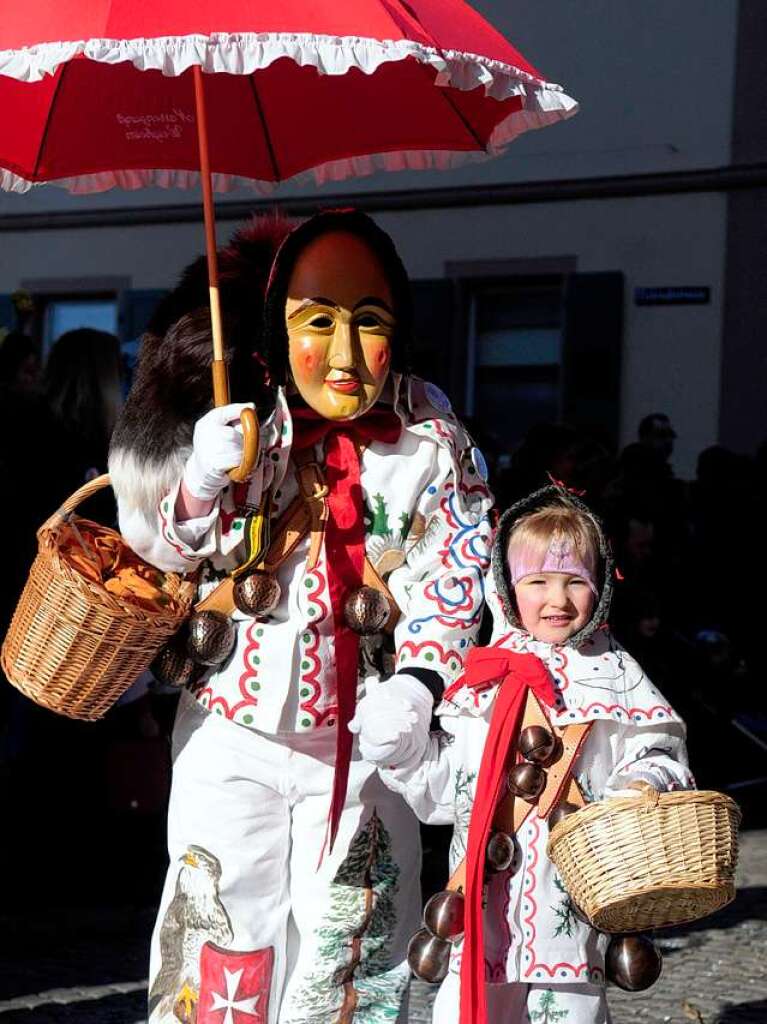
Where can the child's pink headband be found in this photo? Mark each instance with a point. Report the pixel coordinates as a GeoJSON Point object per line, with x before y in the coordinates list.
{"type": "Point", "coordinates": [561, 556]}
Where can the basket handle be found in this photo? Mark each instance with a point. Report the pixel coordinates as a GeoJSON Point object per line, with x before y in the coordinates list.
{"type": "Point", "coordinates": [98, 483]}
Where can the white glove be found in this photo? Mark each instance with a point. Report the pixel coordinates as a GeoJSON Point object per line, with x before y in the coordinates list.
{"type": "Point", "coordinates": [217, 448]}
{"type": "Point", "coordinates": [393, 720]}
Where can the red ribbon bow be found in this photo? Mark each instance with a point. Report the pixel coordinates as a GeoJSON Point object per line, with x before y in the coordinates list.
{"type": "Point", "coordinates": [518, 674]}
{"type": "Point", "coordinates": [344, 556]}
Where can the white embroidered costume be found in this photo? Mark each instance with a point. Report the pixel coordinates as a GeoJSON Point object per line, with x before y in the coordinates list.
{"type": "Point", "coordinates": [254, 751]}
{"type": "Point", "coordinates": [534, 943]}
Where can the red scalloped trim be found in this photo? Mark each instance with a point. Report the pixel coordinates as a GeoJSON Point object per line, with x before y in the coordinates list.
{"type": "Point", "coordinates": [527, 942]}
{"type": "Point", "coordinates": [166, 536]}
{"type": "Point", "coordinates": [311, 652]}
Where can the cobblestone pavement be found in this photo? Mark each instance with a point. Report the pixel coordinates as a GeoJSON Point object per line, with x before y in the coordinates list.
{"type": "Point", "coordinates": [88, 967]}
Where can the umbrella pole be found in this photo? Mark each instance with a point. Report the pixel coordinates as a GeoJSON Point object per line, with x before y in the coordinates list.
{"type": "Point", "coordinates": [248, 417]}
{"type": "Point", "coordinates": [220, 379]}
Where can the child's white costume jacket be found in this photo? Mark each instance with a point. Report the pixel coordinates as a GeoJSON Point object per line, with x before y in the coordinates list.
{"type": "Point", "coordinates": [531, 933]}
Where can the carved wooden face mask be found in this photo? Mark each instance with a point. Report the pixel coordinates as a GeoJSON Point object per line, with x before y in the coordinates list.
{"type": "Point", "coordinates": [340, 320]}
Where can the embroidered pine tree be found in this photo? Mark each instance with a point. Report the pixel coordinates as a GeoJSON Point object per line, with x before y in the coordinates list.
{"type": "Point", "coordinates": [464, 801]}
{"type": "Point", "coordinates": [380, 517]}
{"type": "Point", "coordinates": [404, 526]}
{"type": "Point", "coordinates": [353, 966]}
{"type": "Point", "coordinates": [547, 1012]}
{"type": "Point", "coordinates": [564, 911]}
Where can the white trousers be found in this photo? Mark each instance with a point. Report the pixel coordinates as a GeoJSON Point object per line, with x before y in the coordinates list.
{"type": "Point", "coordinates": [520, 1003]}
{"type": "Point", "coordinates": [248, 922]}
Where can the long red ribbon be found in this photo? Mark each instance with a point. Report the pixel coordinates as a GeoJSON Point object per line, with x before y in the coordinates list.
{"type": "Point", "coordinates": [344, 557]}
{"type": "Point", "coordinates": [518, 674]}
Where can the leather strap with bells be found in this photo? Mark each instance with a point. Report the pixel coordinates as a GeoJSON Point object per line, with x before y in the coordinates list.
{"type": "Point", "coordinates": [305, 515]}
{"type": "Point", "coordinates": [512, 811]}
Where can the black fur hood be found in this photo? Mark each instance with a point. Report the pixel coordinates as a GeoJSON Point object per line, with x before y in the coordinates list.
{"type": "Point", "coordinates": [172, 387]}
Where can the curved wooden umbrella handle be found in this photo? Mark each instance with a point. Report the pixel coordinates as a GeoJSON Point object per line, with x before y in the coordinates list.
{"type": "Point", "coordinates": [250, 435]}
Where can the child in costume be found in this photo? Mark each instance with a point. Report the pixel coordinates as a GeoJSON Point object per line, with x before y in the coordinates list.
{"type": "Point", "coordinates": [294, 873]}
{"type": "Point", "coordinates": [527, 954]}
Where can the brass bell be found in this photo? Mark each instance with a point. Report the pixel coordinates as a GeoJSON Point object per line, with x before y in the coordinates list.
{"type": "Point", "coordinates": [258, 594]}
{"type": "Point", "coordinates": [561, 811]}
{"type": "Point", "coordinates": [428, 957]}
{"type": "Point", "coordinates": [526, 780]}
{"type": "Point", "coordinates": [500, 851]}
{"type": "Point", "coordinates": [537, 744]}
{"type": "Point", "coordinates": [443, 915]}
{"type": "Point", "coordinates": [173, 666]}
{"type": "Point", "coordinates": [211, 638]}
{"type": "Point", "coordinates": [633, 962]}
{"type": "Point", "coordinates": [366, 610]}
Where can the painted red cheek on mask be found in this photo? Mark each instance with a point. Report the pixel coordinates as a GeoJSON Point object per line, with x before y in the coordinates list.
{"type": "Point", "coordinates": [379, 357]}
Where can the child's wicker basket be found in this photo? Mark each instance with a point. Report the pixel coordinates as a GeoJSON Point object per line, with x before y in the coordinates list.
{"type": "Point", "coordinates": [649, 861]}
{"type": "Point", "coordinates": [72, 646]}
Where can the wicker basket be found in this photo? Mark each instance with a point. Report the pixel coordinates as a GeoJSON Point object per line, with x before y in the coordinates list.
{"type": "Point", "coordinates": [649, 861]}
{"type": "Point", "coordinates": [72, 646]}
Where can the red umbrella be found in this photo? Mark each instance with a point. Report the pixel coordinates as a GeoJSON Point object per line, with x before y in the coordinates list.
{"type": "Point", "coordinates": [103, 93]}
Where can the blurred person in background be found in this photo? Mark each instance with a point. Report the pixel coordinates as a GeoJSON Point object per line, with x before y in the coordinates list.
{"type": "Point", "coordinates": [76, 769]}
{"type": "Point", "coordinates": [657, 434]}
{"type": "Point", "coordinates": [569, 454]}
{"type": "Point", "coordinates": [19, 364]}
{"type": "Point", "coordinates": [82, 383]}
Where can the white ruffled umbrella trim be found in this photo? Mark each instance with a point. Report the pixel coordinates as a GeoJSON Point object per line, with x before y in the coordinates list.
{"type": "Point", "coordinates": [244, 53]}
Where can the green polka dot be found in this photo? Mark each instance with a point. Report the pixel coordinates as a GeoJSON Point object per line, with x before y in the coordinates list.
{"type": "Point", "coordinates": [219, 711]}
{"type": "Point", "coordinates": [308, 583]}
{"type": "Point", "coordinates": [255, 685]}
{"type": "Point", "coordinates": [453, 665]}
{"type": "Point", "coordinates": [247, 719]}
{"type": "Point", "coordinates": [256, 659]}
{"type": "Point", "coordinates": [237, 524]}
{"type": "Point", "coordinates": [428, 426]}
{"type": "Point", "coordinates": [429, 656]}
{"type": "Point", "coordinates": [284, 429]}
{"type": "Point", "coordinates": [306, 722]}
{"type": "Point", "coordinates": [165, 506]}
{"type": "Point", "coordinates": [305, 665]}
{"type": "Point", "coordinates": [305, 692]}
{"type": "Point", "coordinates": [306, 637]}
{"type": "Point", "coordinates": [260, 631]}
{"type": "Point", "coordinates": [312, 611]}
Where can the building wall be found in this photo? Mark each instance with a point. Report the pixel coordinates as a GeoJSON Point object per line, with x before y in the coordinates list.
{"type": "Point", "coordinates": [671, 355]}
{"type": "Point", "coordinates": [655, 81]}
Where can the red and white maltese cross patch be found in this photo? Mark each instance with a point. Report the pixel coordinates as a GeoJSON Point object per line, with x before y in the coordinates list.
{"type": "Point", "coordinates": [234, 987]}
